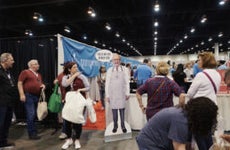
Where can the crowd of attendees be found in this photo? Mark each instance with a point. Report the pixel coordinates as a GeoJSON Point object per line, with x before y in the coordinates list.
{"type": "Point", "coordinates": [176, 126]}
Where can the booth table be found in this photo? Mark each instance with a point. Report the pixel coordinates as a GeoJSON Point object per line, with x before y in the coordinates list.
{"type": "Point", "coordinates": [136, 119]}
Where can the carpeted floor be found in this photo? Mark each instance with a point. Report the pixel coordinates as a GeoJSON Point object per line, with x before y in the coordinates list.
{"type": "Point", "coordinates": [100, 123]}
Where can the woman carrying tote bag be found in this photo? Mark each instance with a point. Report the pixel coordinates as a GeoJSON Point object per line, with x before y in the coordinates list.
{"type": "Point", "coordinates": [74, 81]}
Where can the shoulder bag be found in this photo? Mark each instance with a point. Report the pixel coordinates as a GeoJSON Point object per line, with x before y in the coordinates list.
{"type": "Point", "coordinates": [42, 110]}
{"type": "Point", "coordinates": [54, 104]}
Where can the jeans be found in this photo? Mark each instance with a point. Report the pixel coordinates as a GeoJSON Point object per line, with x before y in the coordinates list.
{"type": "Point", "coordinates": [102, 96]}
{"type": "Point", "coordinates": [5, 121]}
{"type": "Point", "coordinates": [31, 111]}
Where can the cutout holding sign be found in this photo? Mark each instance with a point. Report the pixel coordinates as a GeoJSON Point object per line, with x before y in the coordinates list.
{"type": "Point", "coordinates": [104, 55]}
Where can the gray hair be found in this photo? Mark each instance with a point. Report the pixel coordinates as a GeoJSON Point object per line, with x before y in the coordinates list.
{"type": "Point", "coordinates": [31, 62]}
{"type": "Point", "coordinates": [4, 57]}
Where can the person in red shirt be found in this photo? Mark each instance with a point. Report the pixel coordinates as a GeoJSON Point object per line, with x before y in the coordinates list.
{"type": "Point", "coordinates": [30, 85]}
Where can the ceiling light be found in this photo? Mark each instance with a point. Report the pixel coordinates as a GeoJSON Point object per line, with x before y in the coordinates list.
{"type": "Point", "coordinates": [192, 30]}
{"type": "Point", "coordinates": [155, 32]}
{"type": "Point", "coordinates": [123, 40]}
{"type": "Point", "coordinates": [185, 36]}
{"type": "Point", "coordinates": [103, 45]}
{"type": "Point", "coordinates": [156, 24]}
{"type": "Point", "coordinates": [156, 7]}
{"type": "Point", "coordinates": [91, 12]}
{"type": "Point", "coordinates": [202, 43]}
{"type": "Point", "coordinates": [181, 41]}
{"type": "Point", "coordinates": [203, 19]}
{"type": "Point", "coordinates": [107, 26]}
{"type": "Point", "coordinates": [84, 37]}
{"type": "Point", "coordinates": [38, 16]}
{"type": "Point", "coordinates": [220, 34]}
{"type": "Point", "coordinates": [67, 29]}
{"type": "Point", "coordinates": [155, 38]}
{"type": "Point", "coordinates": [222, 2]}
{"type": "Point", "coordinates": [209, 39]}
{"type": "Point", "coordinates": [95, 41]}
{"type": "Point", "coordinates": [28, 32]}
{"type": "Point", "coordinates": [117, 34]}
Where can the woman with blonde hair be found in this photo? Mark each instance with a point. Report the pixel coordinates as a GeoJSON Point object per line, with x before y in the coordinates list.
{"type": "Point", "coordinates": [160, 90]}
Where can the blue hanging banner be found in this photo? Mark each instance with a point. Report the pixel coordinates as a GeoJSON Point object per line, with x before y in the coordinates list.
{"type": "Point", "coordinates": [84, 56]}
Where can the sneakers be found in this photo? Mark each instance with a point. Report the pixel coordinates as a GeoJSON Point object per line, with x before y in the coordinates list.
{"type": "Point", "coordinates": [62, 136]}
{"type": "Point", "coordinates": [67, 143]}
{"type": "Point", "coordinates": [77, 144]}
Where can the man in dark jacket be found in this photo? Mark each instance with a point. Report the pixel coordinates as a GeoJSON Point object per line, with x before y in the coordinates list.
{"type": "Point", "coordinates": [8, 92]}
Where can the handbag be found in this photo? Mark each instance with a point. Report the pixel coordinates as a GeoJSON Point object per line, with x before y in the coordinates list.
{"type": "Point", "coordinates": [74, 107]}
{"type": "Point", "coordinates": [91, 111]}
{"type": "Point", "coordinates": [42, 110]}
{"type": "Point", "coordinates": [54, 104]}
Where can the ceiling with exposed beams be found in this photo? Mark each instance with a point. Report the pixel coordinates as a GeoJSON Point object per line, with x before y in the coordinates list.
{"type": "Point", "coordinates": [132, 19]}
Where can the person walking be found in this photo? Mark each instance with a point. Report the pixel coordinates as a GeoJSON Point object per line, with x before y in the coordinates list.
{"type": "Point", "coordinates": [8, 96]}
{"type": "Point", "coordinates": [74, 80]}
{"type": "Point", "coordinates": [30, 85]}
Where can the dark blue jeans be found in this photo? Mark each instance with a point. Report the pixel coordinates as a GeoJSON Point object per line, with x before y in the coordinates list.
{"type": "Point", "coordinates": [102, 97]}
{"type": "Point", "coordinates": [31, 111]}
{"type": "Point", "coordinates": [5, 121]}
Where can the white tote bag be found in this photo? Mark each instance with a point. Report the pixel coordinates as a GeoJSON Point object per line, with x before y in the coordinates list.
{"type": "Point", "coordinates": [42, 110]}
{"type": "Point", "coordinates": [74, 107]}
{"type": "Point", "coordinates": [91, 111]}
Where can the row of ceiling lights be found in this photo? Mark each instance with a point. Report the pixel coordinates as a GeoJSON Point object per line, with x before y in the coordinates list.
{"type": "Point", "coordinates": [36, 17]}
{"type": "Point", "coordinates": [156, 8]}
{"type": "Point", "coordinates": [192, 30]}
{"type": "Point", "coordinates": [92, 13]}
{"type": "Point", "coordinates": [202, 43]}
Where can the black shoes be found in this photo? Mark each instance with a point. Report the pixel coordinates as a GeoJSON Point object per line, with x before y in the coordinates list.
{"type": "Point", "coordinates": [34, 137]}
{"type": "Point", "coordinates": [124, 130]}
{"type": "Point", "coordinates": [114, 130]}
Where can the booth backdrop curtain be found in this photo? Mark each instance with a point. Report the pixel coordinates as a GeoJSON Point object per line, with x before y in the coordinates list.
{"type": "Point", "coordinates": [44, 49]}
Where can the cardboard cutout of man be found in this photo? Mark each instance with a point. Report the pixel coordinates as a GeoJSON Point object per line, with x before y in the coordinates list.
{"type": "Point", "coordinates": [117, 91]}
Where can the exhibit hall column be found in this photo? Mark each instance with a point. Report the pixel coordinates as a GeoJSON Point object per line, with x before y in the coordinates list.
{"type": "Point", "coordinates": [216, 51]}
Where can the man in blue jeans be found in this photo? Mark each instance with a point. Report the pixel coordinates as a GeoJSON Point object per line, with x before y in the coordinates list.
{"type": "Point", "coordinates": [30, 85]}
{"type": "Point", "coordinates": [8, 96]}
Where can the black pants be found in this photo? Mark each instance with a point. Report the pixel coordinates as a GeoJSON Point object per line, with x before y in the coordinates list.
{"type": "Point", "coordinates": [6, 113]}
{"type": "Point", "coordinates": [122, 117]}
{"type": "Point", "coordinates": [76, 127]}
